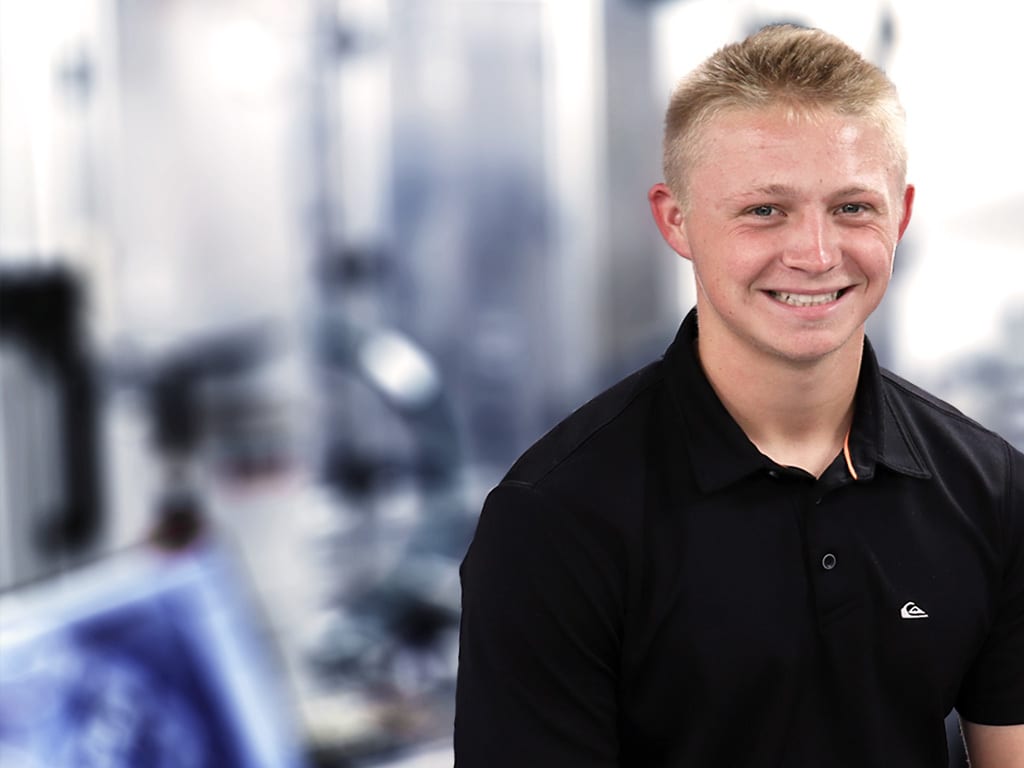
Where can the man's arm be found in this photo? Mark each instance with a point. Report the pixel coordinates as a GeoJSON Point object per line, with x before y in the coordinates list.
{"type": "Point", "coordinates": [994, 688]}
{"type": "Point", "coordinates": [994, 746]}
{"type": "Point", "coordinates": [539, 646]}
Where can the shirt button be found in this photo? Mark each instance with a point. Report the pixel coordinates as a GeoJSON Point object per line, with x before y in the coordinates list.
{"type": "Point", "coordinates": [773, 474]}
{"type": "Point", "coordinates": [828, 562]}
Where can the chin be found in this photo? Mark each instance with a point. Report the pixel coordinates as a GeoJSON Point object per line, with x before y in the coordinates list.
{"type": "Point", "coordinates": [809, 352]}
{"type": "Point", "coordinates": [798, 344]}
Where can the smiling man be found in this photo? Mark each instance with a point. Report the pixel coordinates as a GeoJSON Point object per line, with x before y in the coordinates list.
{"type": "Point", "coordinates": [763, 549]}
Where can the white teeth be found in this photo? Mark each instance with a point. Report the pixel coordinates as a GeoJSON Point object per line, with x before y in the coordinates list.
{"type": "Point", "coordinates": [804, 299]}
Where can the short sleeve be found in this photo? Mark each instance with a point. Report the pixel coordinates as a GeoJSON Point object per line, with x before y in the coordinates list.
{"type": "Point", "coordinates": [993, 690]}
{"type": "Point", "coordinates": [539, 639]}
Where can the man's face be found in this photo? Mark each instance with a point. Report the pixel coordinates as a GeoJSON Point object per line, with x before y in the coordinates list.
{"type": "Point", "coordinates": [791, 225]}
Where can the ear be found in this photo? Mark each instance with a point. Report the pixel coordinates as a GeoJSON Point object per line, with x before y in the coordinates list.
{"type": "Point", "coordinates": [908, 208]}
{"type": "Point", "coordinates": [668, 215]}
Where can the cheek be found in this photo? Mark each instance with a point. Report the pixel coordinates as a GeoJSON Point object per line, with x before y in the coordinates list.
{"type": "Point", "coordinates": [874, 253]}
{"type": "Point", "coordinates": [887, 261]}
{"type": "Point", "coordinates": [730, 252]}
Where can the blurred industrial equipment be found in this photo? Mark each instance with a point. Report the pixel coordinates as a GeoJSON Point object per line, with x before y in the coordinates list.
{"type": "Point", "coordinates": [50, 481]}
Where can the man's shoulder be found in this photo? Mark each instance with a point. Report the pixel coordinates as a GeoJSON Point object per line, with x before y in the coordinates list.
{"type": "Point", "coordinates": [925, 405]}
{"type": "Point", "coordinates": [598, 433]}
{"type": "Point", "coordinates": [940, 428]}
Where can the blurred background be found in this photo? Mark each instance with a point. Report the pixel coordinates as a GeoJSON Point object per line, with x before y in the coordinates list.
{"type": "Point", "coordinates": [286, 287]}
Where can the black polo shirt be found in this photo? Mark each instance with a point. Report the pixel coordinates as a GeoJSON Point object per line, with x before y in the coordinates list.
{"type": "Point", "coordinates": [645, 588]}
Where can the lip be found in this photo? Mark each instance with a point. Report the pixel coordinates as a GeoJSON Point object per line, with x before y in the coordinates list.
{"type": "Point", "coordinates": [772, 295]}
{"type": "Point", "coordinates": [809, 292]}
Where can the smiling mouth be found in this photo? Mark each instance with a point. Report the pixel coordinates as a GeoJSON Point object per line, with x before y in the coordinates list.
{"type": "Point", "coordinates": [805, 299]}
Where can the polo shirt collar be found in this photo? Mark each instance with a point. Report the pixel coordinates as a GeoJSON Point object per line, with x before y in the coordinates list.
{"type": "Point", "coordinates": [724, 454]}
{"type": "Point", "coordinates": [880, 434]}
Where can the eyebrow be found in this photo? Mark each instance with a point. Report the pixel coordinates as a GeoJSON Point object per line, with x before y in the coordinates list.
{"type": "Point", "coordinates": [771, 190]}
{"type": "Point", "coordinates": [854, 190]}
{"type": "Point", "coordinates": [784, 190]}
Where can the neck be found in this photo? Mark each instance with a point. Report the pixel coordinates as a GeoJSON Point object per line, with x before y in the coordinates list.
{"type": "Point", "coordinates": [798, 414]}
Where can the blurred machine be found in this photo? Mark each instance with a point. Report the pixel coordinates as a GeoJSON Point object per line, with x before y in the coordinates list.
{"type": "Point", "coordinates": [50, 494]}
{"type": "Point", "coordinates": [383, 599]}
{"type": "Point", "coordinates": [143, 657]}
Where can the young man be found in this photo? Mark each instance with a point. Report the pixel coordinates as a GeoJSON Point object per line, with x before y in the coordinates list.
{"type": "Point", "coordinates": [761, 550]}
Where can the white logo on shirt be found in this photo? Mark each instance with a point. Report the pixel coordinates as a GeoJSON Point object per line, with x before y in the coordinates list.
{"type": "Point", "coordinates": [911, 611]}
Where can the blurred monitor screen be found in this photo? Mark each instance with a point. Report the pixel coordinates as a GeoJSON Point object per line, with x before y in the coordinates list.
{"type": "Point", "coordinates": [142, 659]}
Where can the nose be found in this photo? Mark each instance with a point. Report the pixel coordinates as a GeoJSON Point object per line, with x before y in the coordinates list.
{"type": "Point", "coordinates": [812, 244]}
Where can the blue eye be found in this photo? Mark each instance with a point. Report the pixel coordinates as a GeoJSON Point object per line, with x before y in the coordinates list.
{"type": "Point", "coordinates": [763, 210]}
{"type": "Point", "coordinates": [852, 207]}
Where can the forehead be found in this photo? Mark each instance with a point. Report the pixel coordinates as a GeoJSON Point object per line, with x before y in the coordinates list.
{"type": "Point", "coordinates": [782, 145]}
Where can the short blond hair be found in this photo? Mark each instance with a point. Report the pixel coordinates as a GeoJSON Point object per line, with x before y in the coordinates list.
{"type": "Point", "coordinates": [805, 71]}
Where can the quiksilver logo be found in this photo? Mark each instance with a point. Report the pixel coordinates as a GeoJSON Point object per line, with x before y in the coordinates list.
{"type": "Point", "coordinates": [912, 611]}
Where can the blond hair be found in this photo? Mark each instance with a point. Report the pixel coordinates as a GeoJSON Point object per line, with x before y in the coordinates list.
{"type": "Point", "coordinates": [805, 71]}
